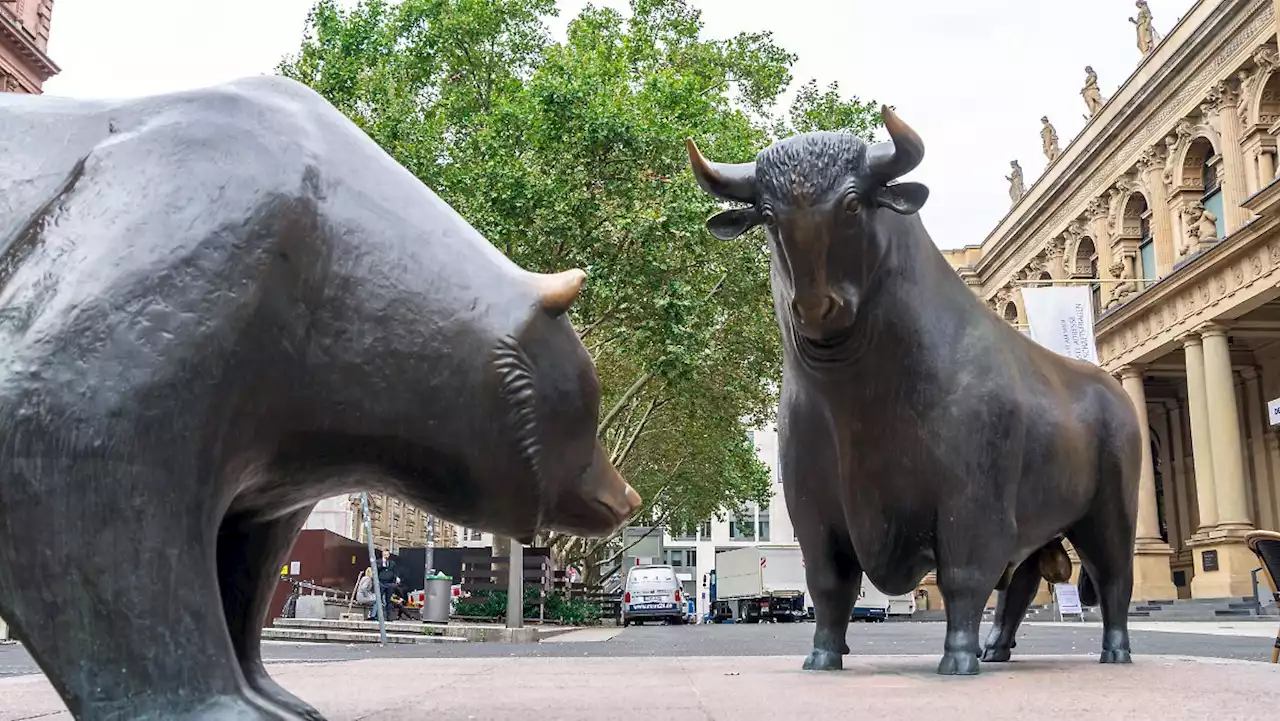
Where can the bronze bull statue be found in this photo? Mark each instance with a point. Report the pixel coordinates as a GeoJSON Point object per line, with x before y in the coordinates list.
{"type": "Point", "coordinates": [918, 430]}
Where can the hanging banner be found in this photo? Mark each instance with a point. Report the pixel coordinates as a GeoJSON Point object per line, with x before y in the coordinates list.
{"type": "Point", "coordinates": [1061, 319]}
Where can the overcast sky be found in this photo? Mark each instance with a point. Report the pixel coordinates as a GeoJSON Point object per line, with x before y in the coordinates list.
{"type": "Point", "coordinates": [972, 77]}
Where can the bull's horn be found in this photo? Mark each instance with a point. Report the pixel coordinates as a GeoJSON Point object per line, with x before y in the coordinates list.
{"type": "Point", "coordinates": [897, 157]}
{"type": "Point", "coordinates": [558, 291]}
{"type": "Point", "coordinates": [727, 181]}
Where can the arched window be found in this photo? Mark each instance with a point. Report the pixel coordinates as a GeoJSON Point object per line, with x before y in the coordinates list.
{"type": "Point", "coordinates": [1212, 198]}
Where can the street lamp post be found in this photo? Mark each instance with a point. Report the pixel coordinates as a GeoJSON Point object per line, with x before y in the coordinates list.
{"type": "Point", "coordinates": [373, 568]}
{"type": "Point", "coordinates": [515, 586]}
{"type": "Point", "coordinates": [429, 561]}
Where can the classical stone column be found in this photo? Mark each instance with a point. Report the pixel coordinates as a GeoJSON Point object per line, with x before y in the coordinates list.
{"type": "Point", "coordinates": [1201, 444]}
{"type": "Point", "coordinates": [1180, 487]}
{"type": "Point", "coordinates": [1173, 520]}
{"type": "Point", "coordinates": [1257, 445]}
{"type": "Point", "coordinates": [1152, 165]}
{"type": "Point", "coordinates": [1152, 579]}
{"type": "Point", "coordinates": [1266, 167]}
{"type": "Point", "coordinates": [1228, 466]}
{"type": "Point", "coordinates": [1148, 520]}
{"type": "Point", "coordinates": [1218, 108]}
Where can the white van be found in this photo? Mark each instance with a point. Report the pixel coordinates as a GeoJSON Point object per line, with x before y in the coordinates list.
{"type": "Point", "coordinates": [872, 603]}
{"type": "Point", "coordinates": [652, 593]}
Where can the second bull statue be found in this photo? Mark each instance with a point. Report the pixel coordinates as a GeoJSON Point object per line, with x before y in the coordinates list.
{"type": "Point", "coordinates": [917, 429]}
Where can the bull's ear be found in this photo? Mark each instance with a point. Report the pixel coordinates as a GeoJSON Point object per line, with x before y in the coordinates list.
{"type": "Point", "coordinates": [732, 223]}
{"type": "Point", "coordinates": [904, 198]}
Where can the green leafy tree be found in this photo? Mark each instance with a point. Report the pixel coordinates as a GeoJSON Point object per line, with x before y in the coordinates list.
{"type": "Point", "coordinates": [571, 154]}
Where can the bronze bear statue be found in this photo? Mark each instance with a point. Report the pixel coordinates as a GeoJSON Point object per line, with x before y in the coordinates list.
{"type": "Point", "coordinates": [216, 308]}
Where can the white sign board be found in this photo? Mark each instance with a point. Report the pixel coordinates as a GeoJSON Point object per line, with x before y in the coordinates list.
{"type": "Point", "coordinates": [1273, 412]}
{"type": "Point", "coordinates": [295, 568]}
{"type": "Point", "coordinates": [1068, 597]}
{"type": "Point", "coordinates": [1061, 319]}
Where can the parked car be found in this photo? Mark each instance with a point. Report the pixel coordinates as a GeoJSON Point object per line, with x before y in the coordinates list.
{"type": "Point", "coordinates": [652, 593]}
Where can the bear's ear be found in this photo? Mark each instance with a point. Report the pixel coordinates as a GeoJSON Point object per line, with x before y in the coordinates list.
{"type": "Point", "coordinates": [732, 223]}
{"type": "Point", "coordinates": [558, 291]}
{"type": "Point", "coordinates": [904, 198]}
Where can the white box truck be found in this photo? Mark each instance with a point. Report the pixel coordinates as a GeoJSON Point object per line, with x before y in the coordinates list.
{"type": "Point", "coordinates": [757, 583]}
{"type": "Point", "coordinates": [876, 605]}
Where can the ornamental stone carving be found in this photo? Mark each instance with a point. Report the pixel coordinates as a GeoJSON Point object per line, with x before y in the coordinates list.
{"type": "Point", "coordinates": [1265, 60]}
{"type": "Point", "coordinates": [1055, 254]}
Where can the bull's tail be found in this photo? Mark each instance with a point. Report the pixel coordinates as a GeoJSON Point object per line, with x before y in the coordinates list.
{"type": "Point", "coordinates": [1088, 591]}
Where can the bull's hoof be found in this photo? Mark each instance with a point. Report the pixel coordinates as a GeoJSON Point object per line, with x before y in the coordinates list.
{"type": "Point", "coordinates": [845, 649]}
{"type": "Point", "coordinates": [996, 655]}
{"type": "Point", "coordinates": [958, 663]}
{"type": "Point", "coordinates": [1116, 655]}
{"type": "Point", "coordinates": [821, 660]}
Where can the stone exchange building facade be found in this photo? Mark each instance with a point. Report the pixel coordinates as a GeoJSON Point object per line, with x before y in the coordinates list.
{"type": "Point", "coordinates": [24, 38]}
{"type": "Point", "coordinates": [1167, 204]}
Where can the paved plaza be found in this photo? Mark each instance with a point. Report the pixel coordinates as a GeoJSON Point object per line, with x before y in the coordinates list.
{"type": "Point", "coordinates": [1181, 671]}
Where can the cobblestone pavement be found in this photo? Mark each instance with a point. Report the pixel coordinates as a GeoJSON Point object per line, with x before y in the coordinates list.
{"type": "Point", "coordinates": [782, 640]}
{"type": "Point", "coordinates": [752, 688]}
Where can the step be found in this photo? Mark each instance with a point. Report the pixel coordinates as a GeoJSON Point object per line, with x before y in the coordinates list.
{"type": "Point", "coordinates": [480, 633]}
{"type": "Point", "coordinates": [332, 636]}
{"type": "Point", "coordinates": [1139, 614]}
{"type": "Point", "coordinates": [1233, 613]}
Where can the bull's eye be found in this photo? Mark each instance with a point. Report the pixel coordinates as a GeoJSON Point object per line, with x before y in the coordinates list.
{"type": "Point", "coordinates": [852, 204]}
{"type": "Point", "coordinates": [766, 216]}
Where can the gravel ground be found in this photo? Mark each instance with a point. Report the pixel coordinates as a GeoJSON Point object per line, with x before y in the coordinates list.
{"type": "Point", "coordinates": [752, 640]}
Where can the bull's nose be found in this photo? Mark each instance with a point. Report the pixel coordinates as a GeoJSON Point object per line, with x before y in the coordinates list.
{"type": "Point", "coordinates": [634, 501]}
{"type": "Point", "coordinates": [811, 313]}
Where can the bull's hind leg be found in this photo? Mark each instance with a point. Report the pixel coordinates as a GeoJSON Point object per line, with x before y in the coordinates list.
{"type": "Point", "coordinates": [1011, 608]}
{"type": "Point", "coordinates": [250, 553]}
{"type": "Point", "coordinates": [112, 574]}
{"type": "Point", "coordinates": [1104, 540]}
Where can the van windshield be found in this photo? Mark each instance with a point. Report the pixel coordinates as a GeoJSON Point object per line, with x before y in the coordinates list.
{"type": "Point", "coordinates": [650, 577]}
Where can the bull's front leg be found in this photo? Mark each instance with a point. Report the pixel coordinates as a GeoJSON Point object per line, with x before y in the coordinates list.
{"type": "Point", "coordinates": [833, 575]}
{"type": "Point", "coordinates": [972, 555]}
{"type": "Point", "coordinates": [810, 479]}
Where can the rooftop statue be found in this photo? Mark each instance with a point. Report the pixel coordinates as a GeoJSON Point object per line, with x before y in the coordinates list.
{"type": "Point", "coordinates": [1093, 99]}
{"type": "Point", "coordinates": [1049, 139]}
{"type": "Point", "coordinates": [917, 429]}
{"type": "Point", "coordinates": [1017, 187]}
{"type": "Point", "coordinates": [216, 308]}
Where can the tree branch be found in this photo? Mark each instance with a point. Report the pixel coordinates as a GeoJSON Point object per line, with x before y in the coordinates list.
{"type": "Point", "coordinates": [587, 331]}
{"type": "Point", "coordinates": [619, 456]}
{"type": "Point", "coordinates": [624, 401]}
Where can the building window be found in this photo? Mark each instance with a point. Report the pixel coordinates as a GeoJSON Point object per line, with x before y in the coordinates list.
{"type": "Point", "coordinates": [681, 557]}
{"type": "Point", "coordinates": [763, 524]}
{"type": "Point", "coordinates": [705, 531]}
{"type": "Point", "coordinates": [684, 534]}
{"type": "Point", "coordinates": [1147, 259]}
{"type": "Point", "coordinates": [742, 527]}
{"type": "Point", "coordinates": [1212, 200]}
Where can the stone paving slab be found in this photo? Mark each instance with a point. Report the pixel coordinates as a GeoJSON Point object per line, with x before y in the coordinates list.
{"type": "Point", "coordinates": [903, 688]}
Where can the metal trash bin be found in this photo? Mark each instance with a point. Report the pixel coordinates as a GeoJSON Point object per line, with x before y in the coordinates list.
{"type": "Point", "coordinates": [435, 602]}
